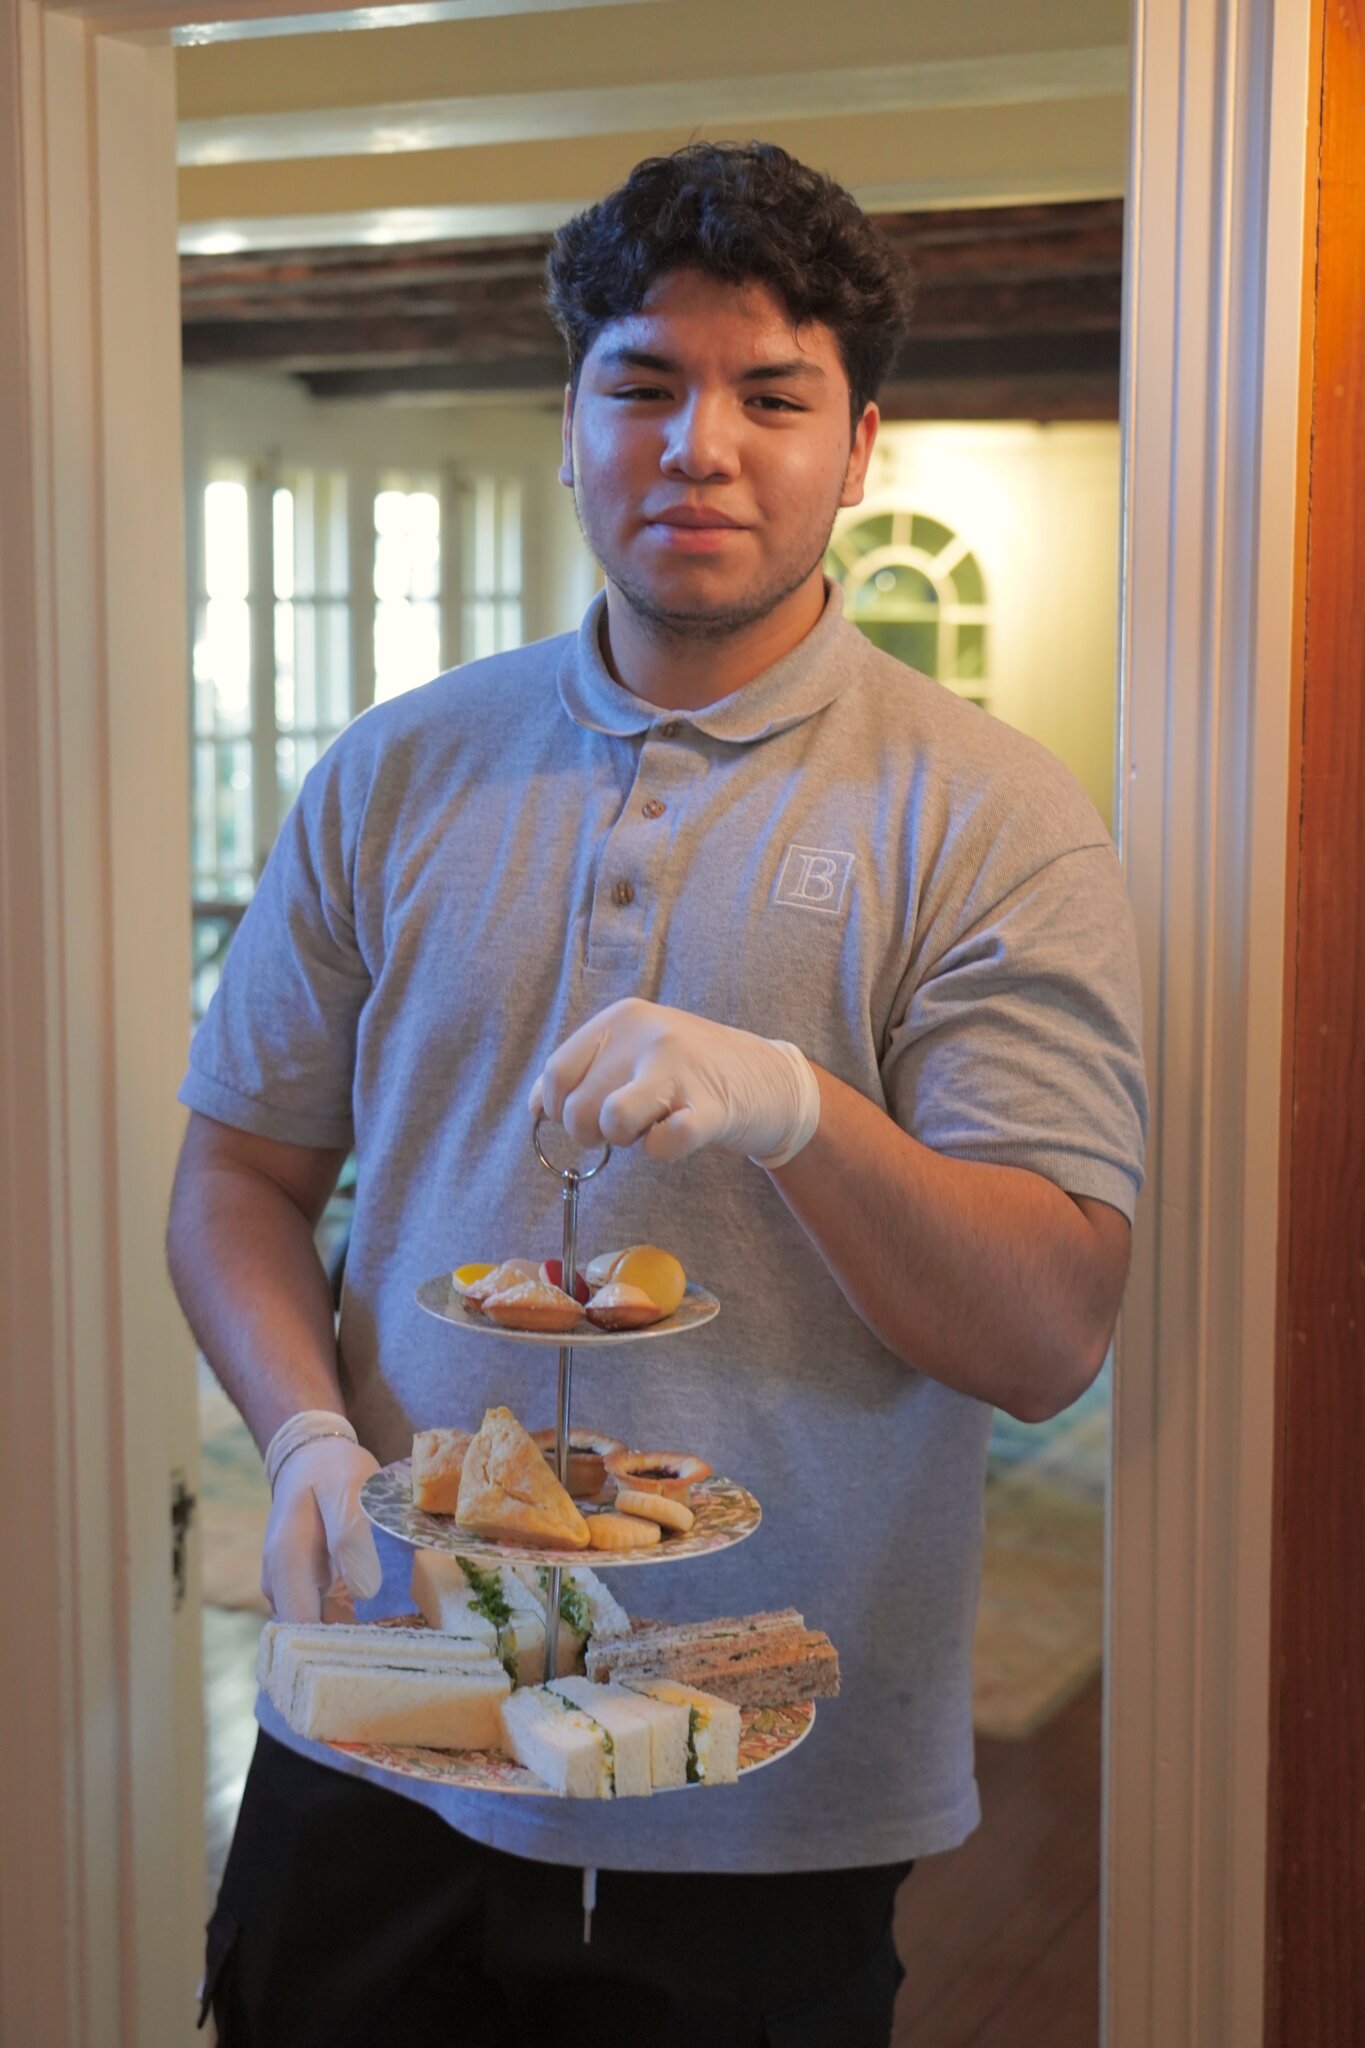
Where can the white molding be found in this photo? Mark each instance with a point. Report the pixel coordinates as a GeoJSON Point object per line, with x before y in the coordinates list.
{"type": "Point", "coordinates": [102, 1866]}
{"type": "Point", "coordinates": [507, 219]}
{"type": "Point", "coordinates": [193, 22]}
{"type": "Point", "coordinates": [1030, 77]}
{"type": "Point", "coordinates": [1211, 422]}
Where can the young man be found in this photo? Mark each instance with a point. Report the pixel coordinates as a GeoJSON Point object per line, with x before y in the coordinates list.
{"type": "Point", "coordinates": [854, 966]}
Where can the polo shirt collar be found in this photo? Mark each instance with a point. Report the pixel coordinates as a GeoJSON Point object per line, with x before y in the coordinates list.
{"type": "Point", "coordinates": [803, 682]}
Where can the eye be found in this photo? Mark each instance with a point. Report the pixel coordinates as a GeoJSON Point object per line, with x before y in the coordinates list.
{"type": "Point", "coordinates": [640, 391]}
{"type": "Point", "coordinates": [770, 400]}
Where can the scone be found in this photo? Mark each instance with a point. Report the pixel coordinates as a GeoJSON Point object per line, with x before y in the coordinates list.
{"type": "Point", "coordinates": [509, 1494]}
{"type": "Point", "coordinates": [438, 1457]}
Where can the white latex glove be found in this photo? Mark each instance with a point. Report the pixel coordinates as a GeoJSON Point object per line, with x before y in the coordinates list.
{"type": "Point", "coordinates": [640, 1069]}
{"type": "Point", "coordinates": [319, 1555]}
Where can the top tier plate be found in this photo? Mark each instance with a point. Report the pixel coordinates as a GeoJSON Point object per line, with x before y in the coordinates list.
{"type": "Point", "coordinates": [439, 1298]}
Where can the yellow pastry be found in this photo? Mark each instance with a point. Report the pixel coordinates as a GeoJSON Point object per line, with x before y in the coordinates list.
{"type": "Point", "coordinates": [533, 1305]}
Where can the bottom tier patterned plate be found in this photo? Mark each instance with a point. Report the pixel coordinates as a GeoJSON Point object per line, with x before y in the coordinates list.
{"type": "Point", "coordinates": [766, 1733]}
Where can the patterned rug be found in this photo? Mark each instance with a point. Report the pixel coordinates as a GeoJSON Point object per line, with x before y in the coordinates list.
{"type": "Point", "coordinates": [1041, 1620]}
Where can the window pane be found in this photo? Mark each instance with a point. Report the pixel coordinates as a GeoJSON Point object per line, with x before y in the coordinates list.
{"type": "Point", "coordinates": [407, 647]}
{"type": "Point", "coordinates": [480, 631]}
{"type": "Point", "coordinates": [930, 536]}
{"type": "Point", "coordinates": [227, 561]}
{"type": "Point", "coordinates": [283, 510]}
{"type": "Point", "coordinates": [509, 625]}
{"type": "Point", "coordinates": [916, 643]}
{"type": "Point", "coordinates": [233, 780]}
{"type": "Point", "coordinates": [285, 665]}
{"type": "Point", "coordinates": [970, 665]}
{"type": "Point", "coordinates": [867, 534]}
{"type": "Point", "coordinates": [204, 813]}
{"type": "Point", "coordinates": [509, 581]}
{"type": "Point", "coordinates": [222, 662]}
{"type": "Point", "coordinates": [968, 581]}
{"type": "Point", "coordinates": [894, 591]}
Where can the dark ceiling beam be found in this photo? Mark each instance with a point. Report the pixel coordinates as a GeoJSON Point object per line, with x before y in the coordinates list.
{"type": "Point", "coordinates": [1040, 377]}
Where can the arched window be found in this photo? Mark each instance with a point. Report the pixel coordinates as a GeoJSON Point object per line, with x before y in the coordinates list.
{"type": "Point", "coordinates": [916, 589]}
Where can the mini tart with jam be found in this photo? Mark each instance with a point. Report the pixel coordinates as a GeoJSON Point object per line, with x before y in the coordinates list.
{"type": "Point", "coordinates": [671, 1473]}
{"type": "Point", "coordinates": [589, 1450]}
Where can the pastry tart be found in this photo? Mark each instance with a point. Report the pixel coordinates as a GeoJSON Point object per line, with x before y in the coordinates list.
{"type": "Point", "coordinates": [673, 1473]}
{"type": "Point", "coordinates": [589, 1450]}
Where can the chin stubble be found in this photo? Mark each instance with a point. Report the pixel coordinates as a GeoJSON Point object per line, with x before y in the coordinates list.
{"type": "Point", "coordinates": [695, 626]}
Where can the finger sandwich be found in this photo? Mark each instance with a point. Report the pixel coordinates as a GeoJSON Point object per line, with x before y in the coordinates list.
{"type": "Point", "coordinates": [713, 1728]}
{"type": "Point", "coordinates": [568, 1749]}
{"type": "Point", "coordinates": [407, 1686]}
{"type": "Point", "coordinates": [620, 1711]}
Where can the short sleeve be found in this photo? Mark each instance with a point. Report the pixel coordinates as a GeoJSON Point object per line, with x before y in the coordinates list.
{"type": "Point", "coordinates": [275, 1053]}
{"type": "Point", "coordinates": [1020, 1043]}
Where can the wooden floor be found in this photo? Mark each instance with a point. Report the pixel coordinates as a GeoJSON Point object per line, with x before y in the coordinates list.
{"type": "Point", "coordinates": [1000, 1940]}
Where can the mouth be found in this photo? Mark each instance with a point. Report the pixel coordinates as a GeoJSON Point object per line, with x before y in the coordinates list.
{"type": "Point", "coordinates": [687, 520]}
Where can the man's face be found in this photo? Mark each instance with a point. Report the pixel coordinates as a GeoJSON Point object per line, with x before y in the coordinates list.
{"type": "Point", "coordinates": [709, 449]}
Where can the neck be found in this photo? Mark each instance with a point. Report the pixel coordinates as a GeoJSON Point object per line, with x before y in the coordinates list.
{"type": "Point", "coordinates": [686, 672]}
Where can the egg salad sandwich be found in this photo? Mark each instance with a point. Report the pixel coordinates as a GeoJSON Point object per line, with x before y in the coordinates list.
{"type": "Point", "coordinates": [712, 1732]}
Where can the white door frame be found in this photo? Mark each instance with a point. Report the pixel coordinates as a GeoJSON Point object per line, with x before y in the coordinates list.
{"type": "Point", "coordinates": [100, 1872]}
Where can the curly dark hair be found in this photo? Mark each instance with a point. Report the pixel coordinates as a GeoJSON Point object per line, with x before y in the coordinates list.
{"type": "Point", "coordinates": [740, 212]}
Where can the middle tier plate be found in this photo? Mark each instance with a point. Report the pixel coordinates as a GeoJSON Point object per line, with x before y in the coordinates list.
{"type": "Point", "coordinates": [439, 1298]}
{"type": "Point", "coordinates": [725, 1514]}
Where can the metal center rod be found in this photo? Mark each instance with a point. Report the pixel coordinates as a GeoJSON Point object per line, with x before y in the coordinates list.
{"type": "Point", "coordinates": [567, 1279]}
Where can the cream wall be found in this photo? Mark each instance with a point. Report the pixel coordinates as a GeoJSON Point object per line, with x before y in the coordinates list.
{"type": "Point", "coordinates": [1039, 506]}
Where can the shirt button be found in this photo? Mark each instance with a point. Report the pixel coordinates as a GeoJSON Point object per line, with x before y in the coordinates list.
{"type": "Point", "coordinates": [652, 809]}
{"type": "Point", "coordinates": [671, 730]}
{"type": "Point", "coordinates": [623, 894]}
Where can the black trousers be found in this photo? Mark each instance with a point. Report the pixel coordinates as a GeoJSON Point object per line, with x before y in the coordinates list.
{"type": "Point", "coordinates": [352, 1917]}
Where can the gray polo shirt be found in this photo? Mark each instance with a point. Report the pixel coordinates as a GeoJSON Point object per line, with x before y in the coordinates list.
{"type": "Point", "coordinates": [841, 854]}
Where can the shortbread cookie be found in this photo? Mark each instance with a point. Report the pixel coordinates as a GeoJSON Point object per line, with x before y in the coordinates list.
{"type": "Point", "coordinates": [621, 1532]}
{"type": "Point", "coordinates": [655, 1507]}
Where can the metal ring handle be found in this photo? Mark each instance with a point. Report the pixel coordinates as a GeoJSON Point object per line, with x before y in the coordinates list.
{"type": "Point", "coordinates": [565, 1173]}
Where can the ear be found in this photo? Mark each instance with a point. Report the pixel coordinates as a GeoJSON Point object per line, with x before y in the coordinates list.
{"type": "Point", "coordinates": [566, 466]}
{"type": "Point", "coordinates": [860, 454]}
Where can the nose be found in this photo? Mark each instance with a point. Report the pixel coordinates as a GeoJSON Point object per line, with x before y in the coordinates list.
{"type": "Point", "coordinates": [700, 444]}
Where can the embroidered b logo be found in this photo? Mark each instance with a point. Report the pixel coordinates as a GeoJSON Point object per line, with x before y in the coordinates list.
{"type": "Point", "coordinates": [814, 878]}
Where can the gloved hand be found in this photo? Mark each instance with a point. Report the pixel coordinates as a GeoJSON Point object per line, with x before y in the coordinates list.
{"type": "Point", "coordinates": [319, 1555]}
{"type": "Point", "coordinates": [640, 1069]}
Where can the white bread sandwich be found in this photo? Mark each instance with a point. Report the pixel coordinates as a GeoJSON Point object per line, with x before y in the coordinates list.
{"type": "Point", "coordinates": [619, 1714]}
{"type": "Point", "coordinates": [570, 1751]}
{"type": "Point", "coordinates": [586, 1608]}
{"type": "Point", "coordinates": [713, 1728]}
{"type": "Point", "coordinates": [283, 1642]}
{"type": "Point", "coordinates": [419, 1688]}
{"type": "Point", "coordinates": [506, 1606]}
{"type": "Point", "coordinates": [667, 1721]}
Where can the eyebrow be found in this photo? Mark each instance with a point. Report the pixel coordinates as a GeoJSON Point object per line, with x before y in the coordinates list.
{"type": "Point", "coordinates": [761, 373]}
